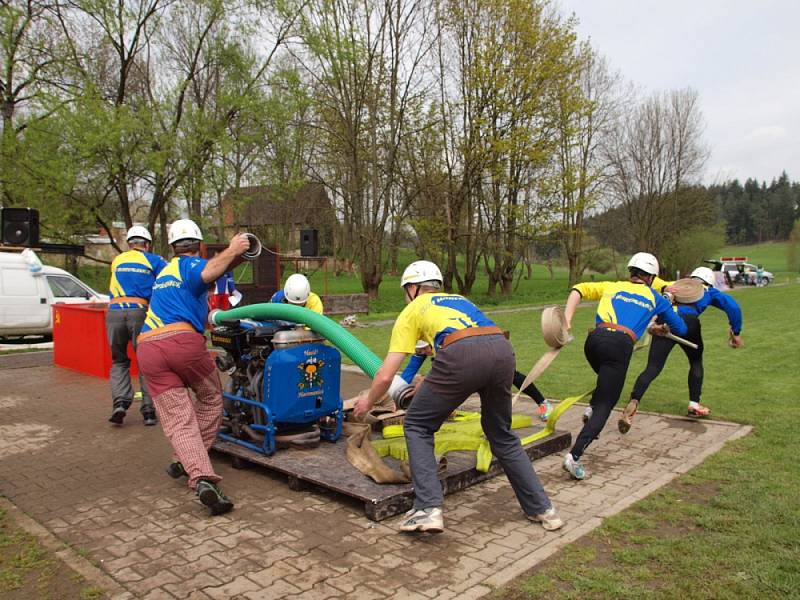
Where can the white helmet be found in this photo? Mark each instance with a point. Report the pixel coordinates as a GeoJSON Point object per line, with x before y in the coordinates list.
{"type": "Point", "coordinates": [421, 271]}
{"type": "Point", "coordinates": [644, 261]}
{"type": "Point", "coordinates": [137, 231]}
{"type": "Point", "coordinates": [704, 274]}
{"type": "Point", "coordinates": [184, 229]}
{"type": "Point", "coordinates": [297, 289]}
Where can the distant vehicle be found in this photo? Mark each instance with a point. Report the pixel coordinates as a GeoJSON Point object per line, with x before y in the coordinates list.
{"type": "Point", "coordinates": [28, 290]}
{"type": "Point", "coordinates": [738, 271]}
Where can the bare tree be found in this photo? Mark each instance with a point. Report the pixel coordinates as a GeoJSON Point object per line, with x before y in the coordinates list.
{"type": "Point", "coordinates": [364, 59]}
{"type": "Point", "coordinates": [657, 149]}
{"type": "Point", "coordinates": [581, 170]}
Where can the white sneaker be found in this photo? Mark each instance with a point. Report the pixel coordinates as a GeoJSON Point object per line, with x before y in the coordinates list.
{"type": "Point", "coordinates": [423, 519]}
{"type": "Point", "coordinates": [549, 519]}
{"type": "Point", "coordinates": [572, 467]}
{"type": "Point", "coordinates": [587, 414]}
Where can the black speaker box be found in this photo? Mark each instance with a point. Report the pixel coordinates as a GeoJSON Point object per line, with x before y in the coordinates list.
{"type": "Point", "coordinates": [309, 242]}
{"type": "Point", "coordinates": [20, 226]}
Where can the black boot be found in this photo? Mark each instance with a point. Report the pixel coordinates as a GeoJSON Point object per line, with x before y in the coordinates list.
{"type": "Point", "coordinates": [176, 470]}
{"type": "Point", "coordinates": [210, 495]}
{"type": "Point", "coordinates": [149, 417]}
{"type": "Point", "coordinates": [117, 415]}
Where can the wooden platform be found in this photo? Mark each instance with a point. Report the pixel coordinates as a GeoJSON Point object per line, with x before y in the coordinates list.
{"type": "Point", "coordinates": [327, 467]}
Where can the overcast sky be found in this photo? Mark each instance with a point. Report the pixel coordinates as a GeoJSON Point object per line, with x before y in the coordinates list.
{"type": "Point", "coordinates": [742, 56]}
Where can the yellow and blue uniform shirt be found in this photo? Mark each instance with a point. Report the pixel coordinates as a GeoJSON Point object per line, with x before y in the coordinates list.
{"type": "Point", "coordinates": [179, 294]}
{"type": "Point", "coordinates": [431, 317]}
{"type": "Point", "coordinates": [133, 274]}
{"type": "Point", "coordinates": [711, 297]}
{"type": "Point", "coordinates": [630, 304]}
{"type": "Point", "coordinates": [314, 302]}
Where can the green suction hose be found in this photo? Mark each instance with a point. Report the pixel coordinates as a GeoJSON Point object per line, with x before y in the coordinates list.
{"type": "Point", "coordinates": [329, 329]}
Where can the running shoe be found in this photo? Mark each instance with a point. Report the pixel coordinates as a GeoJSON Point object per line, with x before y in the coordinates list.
{"type": "Point", "coordinates": [549, 519]}
{"type": "Point", "coordinates": [626, 420]}
{"type": "Point", "coordinates": [424, 519]}
{"type": "Point", "coordinates": [698, 410]}
{"type": "Point", "coordinates": [545, 410]}
{"type": "Point", "coordinates": [573, 467]}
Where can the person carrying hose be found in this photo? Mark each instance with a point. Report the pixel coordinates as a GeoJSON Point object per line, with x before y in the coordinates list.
{"type": "Point", "coordinates": [423, 350]}
{"type": "Point", "coordinates": [297, 291]}
{"type": "Point", "coordinates": [623, 314]}
{"type": "Point", "coordinates": [173, 355]}
{"type": "Point", "coordinates": [472, 355]}
{"type": "Point", "coordinates": [661, 347]}
{"type": "Point", "coordinates": [132, 275]}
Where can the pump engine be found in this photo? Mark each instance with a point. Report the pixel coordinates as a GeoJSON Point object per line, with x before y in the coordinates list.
{"type": "Point", "coordinates": [284, 385]}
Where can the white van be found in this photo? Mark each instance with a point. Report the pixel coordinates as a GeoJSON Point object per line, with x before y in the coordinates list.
{"type": "Point", "coordinates": [29, 290]}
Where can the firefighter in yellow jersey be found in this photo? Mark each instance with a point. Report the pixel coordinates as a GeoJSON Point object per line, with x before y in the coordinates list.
{"type": "Point", "coordinates": [623, 315]}
{"type": "Point", "coordinates": [472, 355]}
{"type": "Point", "coordinates": [297, 291]}
{"type": "Point", "coordinates": [132, 276]}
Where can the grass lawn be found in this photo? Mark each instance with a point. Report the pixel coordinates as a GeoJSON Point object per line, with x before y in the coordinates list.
{"type": "Point", "coordinates": [731, 527]}
{"type": "Point", "coordinates": [28, 571]}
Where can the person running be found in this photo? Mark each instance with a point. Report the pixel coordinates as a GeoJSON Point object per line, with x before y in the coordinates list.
{"type": "Point", "coordinates": [661, 347]}
{"type": "Point", "coordinates": [174, 357]}
{"type": "Point", "coordinates": [623, 313]}
{"type": "Point", "coordinates": [132, 275]}
{"type": "Point", "coordinates": [472, 355]}
{"type": "Point", "coordinates": [297, 291]}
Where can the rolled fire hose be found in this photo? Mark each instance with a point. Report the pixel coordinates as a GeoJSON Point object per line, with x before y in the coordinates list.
{"type": "Point", "coordinates": [687, 290]}
{"type": "Point", "coordinates": [556, 335]}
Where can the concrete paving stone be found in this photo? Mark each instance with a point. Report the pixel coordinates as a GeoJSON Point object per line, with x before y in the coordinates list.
{"type": "Point", "coordinates": [491, 553]}
{"type": "Point", "coordinates": [321, 591]}
{"type": "Point", "coordinates": [403, 593]}
{"type": "Point", "coordinates": [145, 525]}
{"type": "Point", "coordinates": [236, 539]}
{"type": "Point", "coordinates": [279, 570]}
{"type": "Point", "coordinates": [465, 581]}
{"type": "Point", "coordinates": [279, 589]}
{"type": "Point", "coordinates": [198, 595]}
{"type": "Point", "coordinates": [157, 594]}
{"type": "Point", "coordinates": [150, 582]}
{"type": "Point", "coordinates": [309, 578]}
{"type": "Point", "coordinates": [268, 556]}
{"type": "Point", "coordinates": [126, 575]}
{"type": "Point", "coordinates": [184, 588]}
{"type": "Point", "coordinates": [207, 547]}
{"type": "Point", "coordinates": [132, 559]}
{"type": "Point", "coordinates": [364, 592]}
{"type": "Point", "coordinates": [236, 587]}
{"type": "Point", "coordinates": [230, 572]}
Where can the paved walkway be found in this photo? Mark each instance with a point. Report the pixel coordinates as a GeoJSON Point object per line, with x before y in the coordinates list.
{"type": "Point", "coordinates": [139, 534]}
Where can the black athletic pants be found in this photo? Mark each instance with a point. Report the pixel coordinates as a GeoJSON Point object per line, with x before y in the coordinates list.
{"type": "Point", "coordinates": [609, 353]}
{"type": "Point", "coordinates": [531, 390]}
{"type": "Point", "coordinates": [660, 348]}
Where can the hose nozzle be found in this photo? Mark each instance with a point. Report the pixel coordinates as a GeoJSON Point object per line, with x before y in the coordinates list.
{"type": "Point", "coordinates": [401, 392]}
{"type": "Point", "coordinates": [254, 251]}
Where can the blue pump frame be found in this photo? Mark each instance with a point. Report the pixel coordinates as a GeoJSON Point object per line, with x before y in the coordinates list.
{"type": "Point", "coordinates": [269, 446]}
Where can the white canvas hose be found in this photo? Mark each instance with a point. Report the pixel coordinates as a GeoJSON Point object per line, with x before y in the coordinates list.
{"type": "Point", "coordinates": [556, 336]}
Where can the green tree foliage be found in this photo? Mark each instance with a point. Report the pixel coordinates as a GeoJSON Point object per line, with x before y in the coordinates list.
{"type": "Point", "coordinates": [756, 212]}
{"type": "Point", "coordinates": [683, 253]}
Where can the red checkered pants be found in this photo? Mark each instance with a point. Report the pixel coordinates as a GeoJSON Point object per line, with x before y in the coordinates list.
{"type": "Point", "coordinates": [173, 364]}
